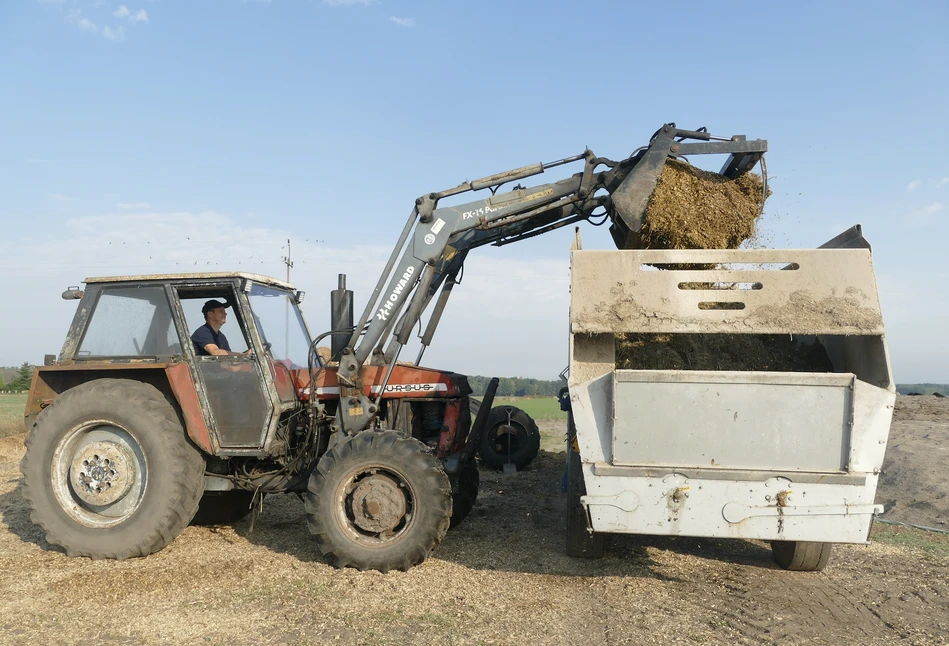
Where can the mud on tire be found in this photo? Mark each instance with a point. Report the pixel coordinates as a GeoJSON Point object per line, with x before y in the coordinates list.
{"type": "Point", "coordinates": [378, 501]}
{"type": "Point", "coordinates": [109, 471]}
{"type": "Point", "coordinates": [510, 436]}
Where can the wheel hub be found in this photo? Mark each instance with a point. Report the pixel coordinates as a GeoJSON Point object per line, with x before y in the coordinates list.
{"type": "Point", "coordinates": [102, 473]}
{"type": "Point", "coordinates": [378, 504]}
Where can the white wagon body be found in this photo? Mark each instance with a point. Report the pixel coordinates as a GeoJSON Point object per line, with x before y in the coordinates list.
{"type": "Point", "coordinates": [781, 456]}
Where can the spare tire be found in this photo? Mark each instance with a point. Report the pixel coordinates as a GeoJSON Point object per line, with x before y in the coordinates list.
{"type": "Point", "coordinates": [510, 437]}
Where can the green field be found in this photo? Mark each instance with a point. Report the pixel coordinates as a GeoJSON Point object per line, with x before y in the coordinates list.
{"type": "Point", "coordinates": [536, 407]}
{"type": "Point", "coordinates": [932, 543]}
{"type": "Point", "coordinates": [11, 414]}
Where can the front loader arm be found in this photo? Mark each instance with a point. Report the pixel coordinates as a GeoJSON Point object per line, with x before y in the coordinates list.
{"type": "Point", "coordinates": [435, 241]}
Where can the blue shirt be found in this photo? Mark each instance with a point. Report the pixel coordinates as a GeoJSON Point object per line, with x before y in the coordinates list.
{"type": "Point", "coordinates": [205, 335]}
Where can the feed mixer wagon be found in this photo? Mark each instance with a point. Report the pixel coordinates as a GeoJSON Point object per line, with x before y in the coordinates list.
{"type": "Point", "coordinates": [790, 456]}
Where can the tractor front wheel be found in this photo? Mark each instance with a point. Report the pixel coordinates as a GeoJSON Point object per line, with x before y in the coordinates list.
{"type": "Point", "coordinates": [378, 501]}
{"type": "Point", "coordinates": [464, 489]}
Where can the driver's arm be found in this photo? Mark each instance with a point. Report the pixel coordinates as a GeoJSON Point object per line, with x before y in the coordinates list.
{"type": "Point", "coordinates": [212, 349]}
{"type": "Point", "coordinates": [204, 342]}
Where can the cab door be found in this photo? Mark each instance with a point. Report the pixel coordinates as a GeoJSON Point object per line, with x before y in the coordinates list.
{"type": "Point", "coordinates": [239, 408]}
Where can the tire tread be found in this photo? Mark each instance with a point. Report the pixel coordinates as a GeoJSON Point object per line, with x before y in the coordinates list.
{"type": "Point", "coordinates": [801, 556]}
{"type": "Point", "coordinates": [187, 466]}
{"type": "Point", "coordinates": [531, 439]}
{"type": "Point", "coordinates": [431, 483]}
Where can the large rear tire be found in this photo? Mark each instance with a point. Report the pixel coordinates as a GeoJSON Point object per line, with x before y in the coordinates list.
{"type": "Point", "coordinates": [109, 471]}
{"type": "Point", "coordinates": [510, 437]}
{"type": "Point", "coordinates": [801, 556]}
{"type": "Point", "coordinates": [464, 490]}
{"type": "Point", "coordinates": [378, 501]}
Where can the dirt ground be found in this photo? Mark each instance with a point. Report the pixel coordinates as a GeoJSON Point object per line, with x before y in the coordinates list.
{"type": "Point", "coordinates": [913, 487]}
{"type": "Point", "coordinates": [501, 577]}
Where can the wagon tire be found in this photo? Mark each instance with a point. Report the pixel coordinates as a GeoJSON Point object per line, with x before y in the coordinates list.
{"type": "Point", "coordinates": [378, 501]}
{"type": "Point", "coordinates": [510, 437]}
{"type": "Point", "coordinates": [109, 471]}
{"type": "Point", "coordinates": [801, 556]}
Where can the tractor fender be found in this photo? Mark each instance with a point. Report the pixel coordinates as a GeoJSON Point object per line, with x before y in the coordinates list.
{"type": "Point", "coordinates": [184, 390]}
{"type": "Point", "coordinates": [173, 379]}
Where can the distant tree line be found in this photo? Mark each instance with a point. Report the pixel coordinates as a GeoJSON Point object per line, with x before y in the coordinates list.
{"type": "Point", "coordinates": [22, 380]}
{"type": "Point", "coordinates": [923, 389]}
{"type": "Point", "coordinates": [516, 386]}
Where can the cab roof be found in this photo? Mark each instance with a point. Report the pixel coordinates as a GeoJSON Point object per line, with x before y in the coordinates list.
{"type": "Point", "coordinates": [216, 275]}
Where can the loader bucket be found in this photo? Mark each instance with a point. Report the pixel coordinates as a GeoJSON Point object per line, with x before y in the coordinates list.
{"type": "Point", "coordinates": [631, 196]}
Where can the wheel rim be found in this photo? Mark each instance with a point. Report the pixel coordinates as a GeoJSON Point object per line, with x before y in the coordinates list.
{"type": "Point", "coordinates": [376, 505]}
{"type": "Point", "coordinates": [99, 474]}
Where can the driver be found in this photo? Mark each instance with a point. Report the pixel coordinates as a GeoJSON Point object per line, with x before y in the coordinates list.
{"type": "Point", "coordinates": [208, 339]}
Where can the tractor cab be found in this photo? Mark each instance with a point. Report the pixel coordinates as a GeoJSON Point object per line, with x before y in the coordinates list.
{"type": "Point", "coordinates": [145, 323]}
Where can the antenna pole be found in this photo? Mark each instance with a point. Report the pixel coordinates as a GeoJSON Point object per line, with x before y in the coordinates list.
{"type": "Point", "coordinates": [286, 260]}
{"type": "Point", "coordinates": [286, 338]}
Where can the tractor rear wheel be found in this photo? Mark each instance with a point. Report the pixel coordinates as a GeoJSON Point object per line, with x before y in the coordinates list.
{"type": "Point", "coordinates": [464, 489]}
{"type": "Point", "coordinates": [511, 436]}
{"type": "Point", "coordinates": [378, 501]}
{"type": "Point", "coordinates": [109, 471]}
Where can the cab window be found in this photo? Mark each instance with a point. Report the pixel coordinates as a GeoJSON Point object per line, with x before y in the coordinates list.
{"type": "Point", "coordinates": [130, 322]}
{"type": "Point", "coordinates": [280, 324]}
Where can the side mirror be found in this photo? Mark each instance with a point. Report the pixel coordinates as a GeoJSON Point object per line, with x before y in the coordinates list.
{"type": "Point", "coordinates": [298, 297]}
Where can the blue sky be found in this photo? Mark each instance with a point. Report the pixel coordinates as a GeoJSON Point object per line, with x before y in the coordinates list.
{"type": "Point", "coordinates": [147, 136]}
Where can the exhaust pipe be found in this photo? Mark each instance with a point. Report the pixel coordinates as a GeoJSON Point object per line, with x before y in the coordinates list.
{"type": "Point", "coordinates": [341, 316]}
